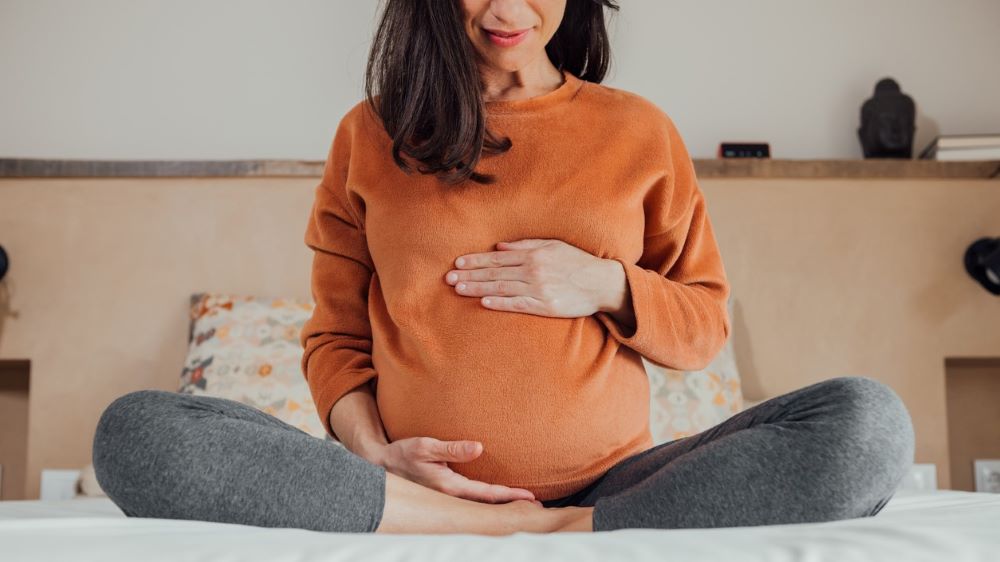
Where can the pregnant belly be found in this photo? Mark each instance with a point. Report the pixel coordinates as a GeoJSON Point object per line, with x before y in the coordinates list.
{"type": "Point", "coordinates": [549, 398]}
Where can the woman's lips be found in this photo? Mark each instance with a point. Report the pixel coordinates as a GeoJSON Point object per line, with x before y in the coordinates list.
{"type": "Point", "coordinates": [506, 39]}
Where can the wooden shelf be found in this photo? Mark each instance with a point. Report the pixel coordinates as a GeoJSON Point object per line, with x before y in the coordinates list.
{"type": "Point", "coordinates": [872, 168]}
{"type": "Point", "coordinates": [706, 168]}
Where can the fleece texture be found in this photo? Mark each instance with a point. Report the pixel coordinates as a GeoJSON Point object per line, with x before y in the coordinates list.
{"type": "Point", "coordinates": [556, 402]}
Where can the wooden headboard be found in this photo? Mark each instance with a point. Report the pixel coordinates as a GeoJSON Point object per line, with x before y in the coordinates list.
{"type": "Point", "coordinates": [859, 274]}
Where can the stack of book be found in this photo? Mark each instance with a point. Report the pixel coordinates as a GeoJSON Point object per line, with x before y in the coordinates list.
{"type": "Point", "coordinates": [963, 147]}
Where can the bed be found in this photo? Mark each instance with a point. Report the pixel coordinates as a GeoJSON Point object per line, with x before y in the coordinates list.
{"type": "Point", "coordinates": [915, 525]}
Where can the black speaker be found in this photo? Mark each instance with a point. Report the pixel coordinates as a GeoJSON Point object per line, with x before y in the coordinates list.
{"type": "Point", "coordinates": [982, 261]}
{"type": "Point", "coordinates": [4, 263]}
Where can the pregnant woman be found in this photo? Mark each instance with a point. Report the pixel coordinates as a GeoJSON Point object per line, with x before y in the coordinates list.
{"type": "Point", "coordinates": [498, 239]}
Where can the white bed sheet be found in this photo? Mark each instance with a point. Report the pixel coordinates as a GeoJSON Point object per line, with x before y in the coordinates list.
{"type": "Point", "coordinates": [941, 526]}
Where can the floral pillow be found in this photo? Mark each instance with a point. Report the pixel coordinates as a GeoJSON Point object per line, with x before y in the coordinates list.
{"type": "Point", "coordinates": [683, 403]}
{"type": "Point", "coordinates": [247, 349]}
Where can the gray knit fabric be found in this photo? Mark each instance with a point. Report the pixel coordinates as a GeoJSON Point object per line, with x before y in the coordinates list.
{"type": "Point", "coordinates": [832, 450]}
{"type": "Point", "coordinates": [182, 456]}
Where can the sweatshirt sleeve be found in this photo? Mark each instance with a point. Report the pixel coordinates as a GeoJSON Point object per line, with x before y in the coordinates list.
{"type": "Point", "coordinates": [679, 289]}
{"type": "Point", "coordinates": [337, 339]}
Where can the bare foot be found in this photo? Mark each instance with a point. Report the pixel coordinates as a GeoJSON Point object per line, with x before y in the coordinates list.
{"type": "Point", "coordinates": [577, 519]}
{"type": "Point", "coordinates": [412, 508]}
{"type": "Point", "coordinates": [527, 516]}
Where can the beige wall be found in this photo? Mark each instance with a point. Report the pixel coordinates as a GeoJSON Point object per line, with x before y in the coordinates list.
{"type": "Point", "coordinates": [223, 79]}
{"type": "Point", "coordinates": [830, 277]}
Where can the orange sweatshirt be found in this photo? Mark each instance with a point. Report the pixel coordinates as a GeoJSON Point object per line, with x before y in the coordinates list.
{"type": "Point", "coordinates": [555, 401]}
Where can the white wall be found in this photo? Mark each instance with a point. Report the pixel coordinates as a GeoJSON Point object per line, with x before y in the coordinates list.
{"type": "Point", "coordinates": [219, 79]}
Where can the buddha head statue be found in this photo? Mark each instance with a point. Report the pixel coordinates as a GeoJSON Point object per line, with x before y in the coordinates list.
{"type": "Point", "coordinates": [887, 122]}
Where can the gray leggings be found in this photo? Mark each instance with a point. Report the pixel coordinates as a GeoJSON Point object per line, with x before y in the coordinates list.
{"type": "Point", "coordinates": [832, 450]}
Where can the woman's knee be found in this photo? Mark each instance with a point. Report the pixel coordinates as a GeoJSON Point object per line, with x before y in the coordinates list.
{"type": "Point", "coordinates": [873, 426]}
{"type": "Point", "coordinates": [129, 412]}
{"type": "Point", "coordinates": [126, 437]}
{"type": "Point", "coordinates": [869, 407]}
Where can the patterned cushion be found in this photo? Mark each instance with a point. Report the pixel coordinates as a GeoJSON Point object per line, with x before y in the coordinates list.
{"type": "Point", "coordinates": [247, 349]}
{"type": "Point", "coordinates": [683, 403]}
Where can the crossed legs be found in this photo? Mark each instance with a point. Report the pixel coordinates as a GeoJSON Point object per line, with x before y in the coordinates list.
{"type": "Point", "coordinates": [832, 450]}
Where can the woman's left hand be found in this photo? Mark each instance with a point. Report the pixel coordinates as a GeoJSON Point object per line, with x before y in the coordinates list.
{"type": "Point", "coordinates": [546, 277]}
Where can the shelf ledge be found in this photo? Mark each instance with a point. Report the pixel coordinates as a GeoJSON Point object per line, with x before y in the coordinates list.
{"type": "Point", "coordinates": [705, 168]}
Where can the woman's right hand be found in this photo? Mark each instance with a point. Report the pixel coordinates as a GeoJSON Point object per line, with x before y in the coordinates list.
{"type": "Point", "coordinates": [424, 460]}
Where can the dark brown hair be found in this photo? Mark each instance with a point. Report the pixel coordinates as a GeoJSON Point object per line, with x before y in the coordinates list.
{"type": "Point", "coordinates": [423, 82]}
